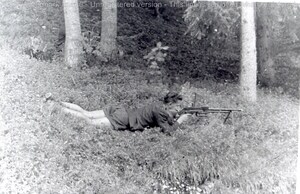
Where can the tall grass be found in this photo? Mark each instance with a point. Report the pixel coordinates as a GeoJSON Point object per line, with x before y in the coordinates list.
{"type": "Point", "coordinates": [50, 152]}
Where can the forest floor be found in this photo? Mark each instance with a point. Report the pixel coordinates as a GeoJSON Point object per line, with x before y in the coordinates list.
{"type": "Point", "coordinates": [43, 150]}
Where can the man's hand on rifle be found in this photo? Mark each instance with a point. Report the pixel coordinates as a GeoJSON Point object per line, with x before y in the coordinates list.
{"type": "Point", "coordinates": [183, 118]}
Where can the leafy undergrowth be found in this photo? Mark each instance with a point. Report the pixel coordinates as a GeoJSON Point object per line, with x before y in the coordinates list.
{"type": "Point", "coordinates": [46, 151]}
{"type": "Point", "coordinates": [34, 26]}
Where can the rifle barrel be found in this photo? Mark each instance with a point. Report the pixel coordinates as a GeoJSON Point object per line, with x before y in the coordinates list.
{"type": "Point", "coordinates": [224, 109]}
{"type": "Point", "coordinates": [210, 109]}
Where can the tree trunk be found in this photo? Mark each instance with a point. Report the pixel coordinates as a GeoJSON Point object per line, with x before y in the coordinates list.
{"type": "Point", "coordinates": [298, 162]}
{"type": "Point", "coordinates": [108, 28]}
{"type": "Point", "coordinates": [266, 71]}
{"type": "Point", "coordinates": [73, 44]}
{"type": "Point", "coordinates": [248, 53]}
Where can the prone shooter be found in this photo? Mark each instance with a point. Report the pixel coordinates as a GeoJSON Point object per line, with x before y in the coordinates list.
{"type": "Point", "coordinates": [166, 115]}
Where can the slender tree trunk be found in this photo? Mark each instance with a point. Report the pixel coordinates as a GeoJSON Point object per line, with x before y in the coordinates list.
{"type": "Point", "coordinates": [248, 53]}
{"type": "Point", "coordinates": [266, 71]}
{"type": "Point", "coordinates": [298, 160]}
{"type": "Point", "coordinates": [108, 28]}
{"type": "Point", "coordinates": [73, 44]}
{"type": "Point", "coordinates": [295, 39]}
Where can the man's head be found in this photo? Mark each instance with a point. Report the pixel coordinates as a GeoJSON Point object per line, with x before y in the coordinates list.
{"type": "Point", "coordinates": [171, 100]}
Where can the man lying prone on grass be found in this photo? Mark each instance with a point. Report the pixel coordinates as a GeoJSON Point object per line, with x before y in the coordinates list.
{"type": "Point", "coordinates": [161, 115]}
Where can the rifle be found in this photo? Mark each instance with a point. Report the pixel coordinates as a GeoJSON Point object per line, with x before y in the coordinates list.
{"type": "Point", "coordinates": [203, 111]}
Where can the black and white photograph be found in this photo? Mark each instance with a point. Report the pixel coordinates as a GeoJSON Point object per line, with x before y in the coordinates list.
{"type": "Point", "coordinates": [149, 97]}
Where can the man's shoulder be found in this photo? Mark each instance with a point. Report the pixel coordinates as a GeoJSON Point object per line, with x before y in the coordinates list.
{"type": "Point", "coordinates": [155, 106]}
{"type": "Point", "coordinates": [154, 109]}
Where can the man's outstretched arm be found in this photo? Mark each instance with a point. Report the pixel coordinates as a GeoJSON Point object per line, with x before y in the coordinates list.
{"type": "Point", "coordinates": [169, 127]}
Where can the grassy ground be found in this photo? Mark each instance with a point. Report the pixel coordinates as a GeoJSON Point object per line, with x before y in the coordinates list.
{"type": "Point", "coordinates": [45, 151]}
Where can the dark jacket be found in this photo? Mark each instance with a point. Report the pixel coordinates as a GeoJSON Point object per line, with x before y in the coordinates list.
{"type": "Point", "coordinates": [153, 115]}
